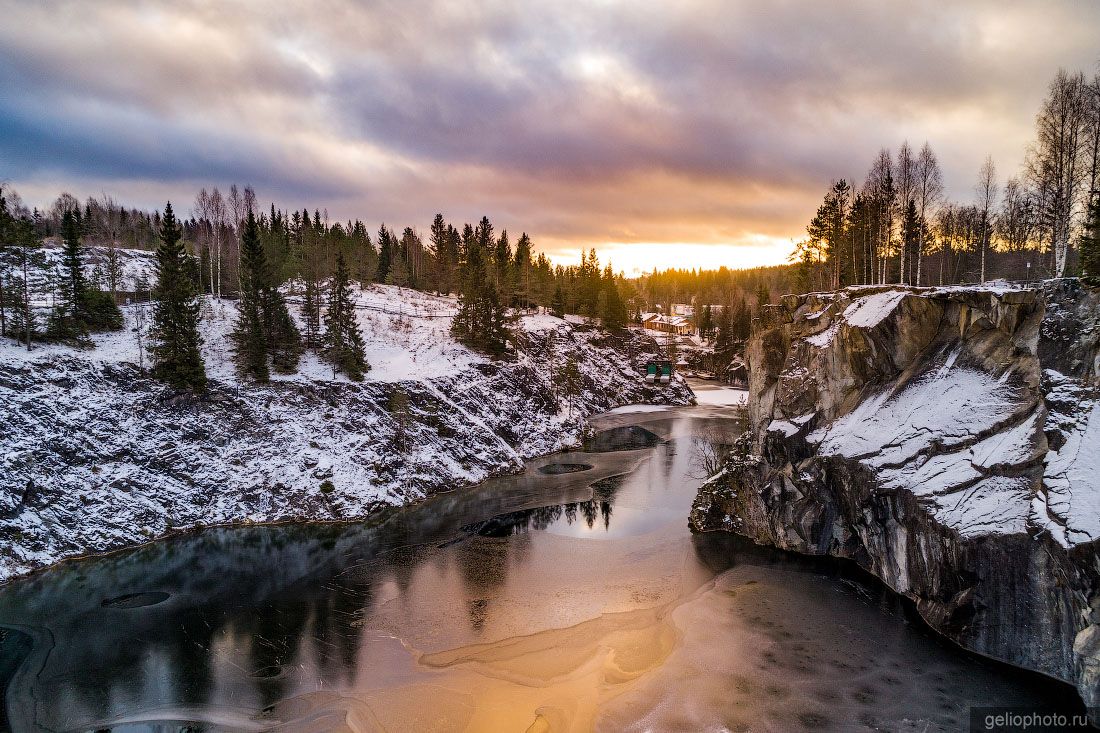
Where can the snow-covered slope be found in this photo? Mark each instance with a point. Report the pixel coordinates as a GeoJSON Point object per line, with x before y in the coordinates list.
{"type": "Point", "coordinates": [95, 455]}
{"type": "Point", "coordinates": [946, 439]}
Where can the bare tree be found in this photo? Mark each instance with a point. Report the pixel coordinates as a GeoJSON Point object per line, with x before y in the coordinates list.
{"type": "Point", "coordinates": [1016, 221]}
{"type": "Point", "coordinates": [987, 191]}
{"type": "Point", "coordinates": [204, 215]}
{"type": "Point", "coordinates": [929, 191]}
{"type": "Point", "coordinates": [881, 191]}
{"type": "Point", "coordinates": [219, 213]}
{"type": "Point", "coordinates": [905, 175]}
{"type": "Point", "coordinates": [1092, 124]}
{"type": "Point", "coordinates": [1056, 162]}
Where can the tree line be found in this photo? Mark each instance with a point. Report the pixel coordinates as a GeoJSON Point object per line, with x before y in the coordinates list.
{"type": "Point", "coordinates": [898, 227]}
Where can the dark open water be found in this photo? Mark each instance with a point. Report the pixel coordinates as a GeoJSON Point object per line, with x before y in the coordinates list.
{"type": "Point", "coordinates": [572, 597]}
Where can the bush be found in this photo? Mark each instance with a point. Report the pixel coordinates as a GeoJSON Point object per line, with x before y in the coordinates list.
{"type": "Point", "coordinates": [327, 487]}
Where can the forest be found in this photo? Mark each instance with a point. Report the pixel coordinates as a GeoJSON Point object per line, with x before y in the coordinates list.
{"type": "Point", "coordinates": [895, 228]}
{"type": "Point", "coordinates": [898, 226]}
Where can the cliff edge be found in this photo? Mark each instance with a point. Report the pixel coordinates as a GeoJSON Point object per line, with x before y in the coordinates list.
{"type": "Point", "coordinates": [948, 441]}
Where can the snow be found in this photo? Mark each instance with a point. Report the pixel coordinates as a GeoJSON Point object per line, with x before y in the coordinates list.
{"type": "Point", "coordinates": [823, 339]}
{"type": "Point", "coordinates": [870, 310]}
{"type": "Point", "coordinates": [998, 504]}
{"type": "Point", "coordinates": [939, 437]}
{"type": "Point", "coordinates": [783, 426]}
{"type": "Point", "coordinates": [539, 322]}
{"type": "Point", "coordinates": [963, 427]}
{"type": "Point", "coordinates": [719, 395]}
{"type": "Point", "coordinates": [950, 409]}
{"type": "Point", "coordinates": [407, 336]}
{"type": "Point", "coordinates": [96, 455]}
{"type": "Point", "coordinates": [633, 409]}
{"type": "Point", "coordinates": [1070, 477]}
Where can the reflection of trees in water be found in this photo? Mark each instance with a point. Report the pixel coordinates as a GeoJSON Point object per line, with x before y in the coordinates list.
{"type": "Point", "coordinates": [483, 567]}
{"type": "Point", "coordinates": [670, 452]}
{"type": "Point", "coordinates": [541, 518]}
{"type": "Point", "coordinates": [710, 448]}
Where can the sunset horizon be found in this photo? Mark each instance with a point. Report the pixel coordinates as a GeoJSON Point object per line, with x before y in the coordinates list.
{"type": "Point", "coordinates": [581, 138]}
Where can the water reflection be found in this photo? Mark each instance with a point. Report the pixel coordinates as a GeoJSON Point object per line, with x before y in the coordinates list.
{"type": "Point", "coordinates": [546, 518]}
{"type": "Point", "coordinates": [503, 600]}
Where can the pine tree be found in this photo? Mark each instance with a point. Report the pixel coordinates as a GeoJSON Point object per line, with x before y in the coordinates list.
{"type": "Point", "coordinates": [28, 257]}
{"type": "Point", "coordinates": [1090, 243]}
{"type": "Point", "coordinates": [613, 310]}
{"type": "Point", "coordinates": [571, 380]}
{"type": "Point", "coordinates": [706, 323]}
{"type": "Point", "coordinates": [343, 342]}
{"type": "Point", "coordinates": [763, 297]}
{"type": "Point", "coordinates": [66, 318]}
{"type": "Point", "coordinates": [742, 322]}
{"type": "Point", "coordinates": [6, 235]}
{"type": "Point", "coordinates": [311, 313]}
{"type": "Point", "coordinates": [249, 343]}
{"type": "Point", "coordinates": [399, 270]}
{"type": "Point", "coordinates": [482, 315]}
{"type": "Point", "coordinates": [521, 269]}
{"type": "Point", "coordinates": [175, 333]}
{"type": "Point", "coordinates": [385, 254]}
{"type": "Point", "coordinates": [21, 321]}
{"type": "Point", "coordinates": [557, 303]}
{"type": "Point", "coordinates": [284, 340]}
{"type": "Point", "coordinates": [264, 326]}
{"type": "Point", "coordinates": [726, 335]}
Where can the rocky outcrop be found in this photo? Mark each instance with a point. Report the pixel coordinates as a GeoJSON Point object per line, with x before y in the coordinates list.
{"type": "Point", "coordinates": [947, 440]}
{"type": "Point", "coordinates": [96, 456]}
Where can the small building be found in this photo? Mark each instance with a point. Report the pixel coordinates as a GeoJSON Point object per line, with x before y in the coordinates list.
{"type": "Point", "coordinates": [679, 325]}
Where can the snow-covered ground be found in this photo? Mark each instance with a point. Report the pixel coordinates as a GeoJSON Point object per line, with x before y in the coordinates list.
{"type": "Point", "coordinates": [96, 455]}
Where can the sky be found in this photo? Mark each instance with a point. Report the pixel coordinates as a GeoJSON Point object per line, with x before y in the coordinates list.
{"type": "Point", "coordinates": [673, 134]}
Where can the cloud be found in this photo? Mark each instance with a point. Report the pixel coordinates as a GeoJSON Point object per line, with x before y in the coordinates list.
{"type": "Point", "coordinates": [707, 122]}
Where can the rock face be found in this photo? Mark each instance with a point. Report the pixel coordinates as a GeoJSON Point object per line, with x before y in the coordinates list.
{"type": "Point", "coordinates": [947, 440]}
{"type": "Point", "coordinates": [95, 456]}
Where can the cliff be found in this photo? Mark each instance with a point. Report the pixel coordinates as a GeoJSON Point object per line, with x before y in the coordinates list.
{"type": "Point", "coordinates": [95, 455]}
{"type": "Point", "coordinates": [947, 440]}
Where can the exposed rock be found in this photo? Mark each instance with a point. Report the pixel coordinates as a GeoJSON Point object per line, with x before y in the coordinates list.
{"type": "Point", "coordinates": [948, 440]}
{"type": "Point", "coordinates": [96, 456]}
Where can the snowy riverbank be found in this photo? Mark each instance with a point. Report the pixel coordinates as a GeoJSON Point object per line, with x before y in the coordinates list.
{"type": "Point", "coordinates": [96, 455]}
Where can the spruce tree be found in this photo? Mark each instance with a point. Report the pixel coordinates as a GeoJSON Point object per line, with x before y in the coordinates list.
{"type": "Point", "coordinates": [7, 235]}
{"type": "Point", "coordinates": [725, 336]}
{"type": "Point", "coordinates": [557, 303]}
{"type": "Point", "coordinates": [471, 280]}
{"type": "Point", "coordinates": [311, 312]}
{"type": "Point", "coordinates": [706, 323]}
{"type": "Point", "coordinates": [613, 309]}
{"type": "Point", "coordinates": [175, 333]}
{"type": "Point", "coordinates": [249, 344]}
{"type": "Point", "coordinates": [1090, 243]}
{"type": "Point", "coordinates": [385, 254]}
{"type": "Point", "coordinates": [28, 258]}
{"type": "Point", "coordinates": [67, 317]}
{"type": "Point", "coordinates": [343, 341]}
{"type": "Point", "coordinates": [284, 340]}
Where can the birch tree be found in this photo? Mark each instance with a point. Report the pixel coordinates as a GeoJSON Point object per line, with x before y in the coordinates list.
{"type": "Point", "coordinates": [928, 192]}
{"type": "Point", "coordinates": [1056, 163]}
{"type": "Point", "coordinates": [987, 192]}
{"type": "Point", "coordinates": [905, 179]}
